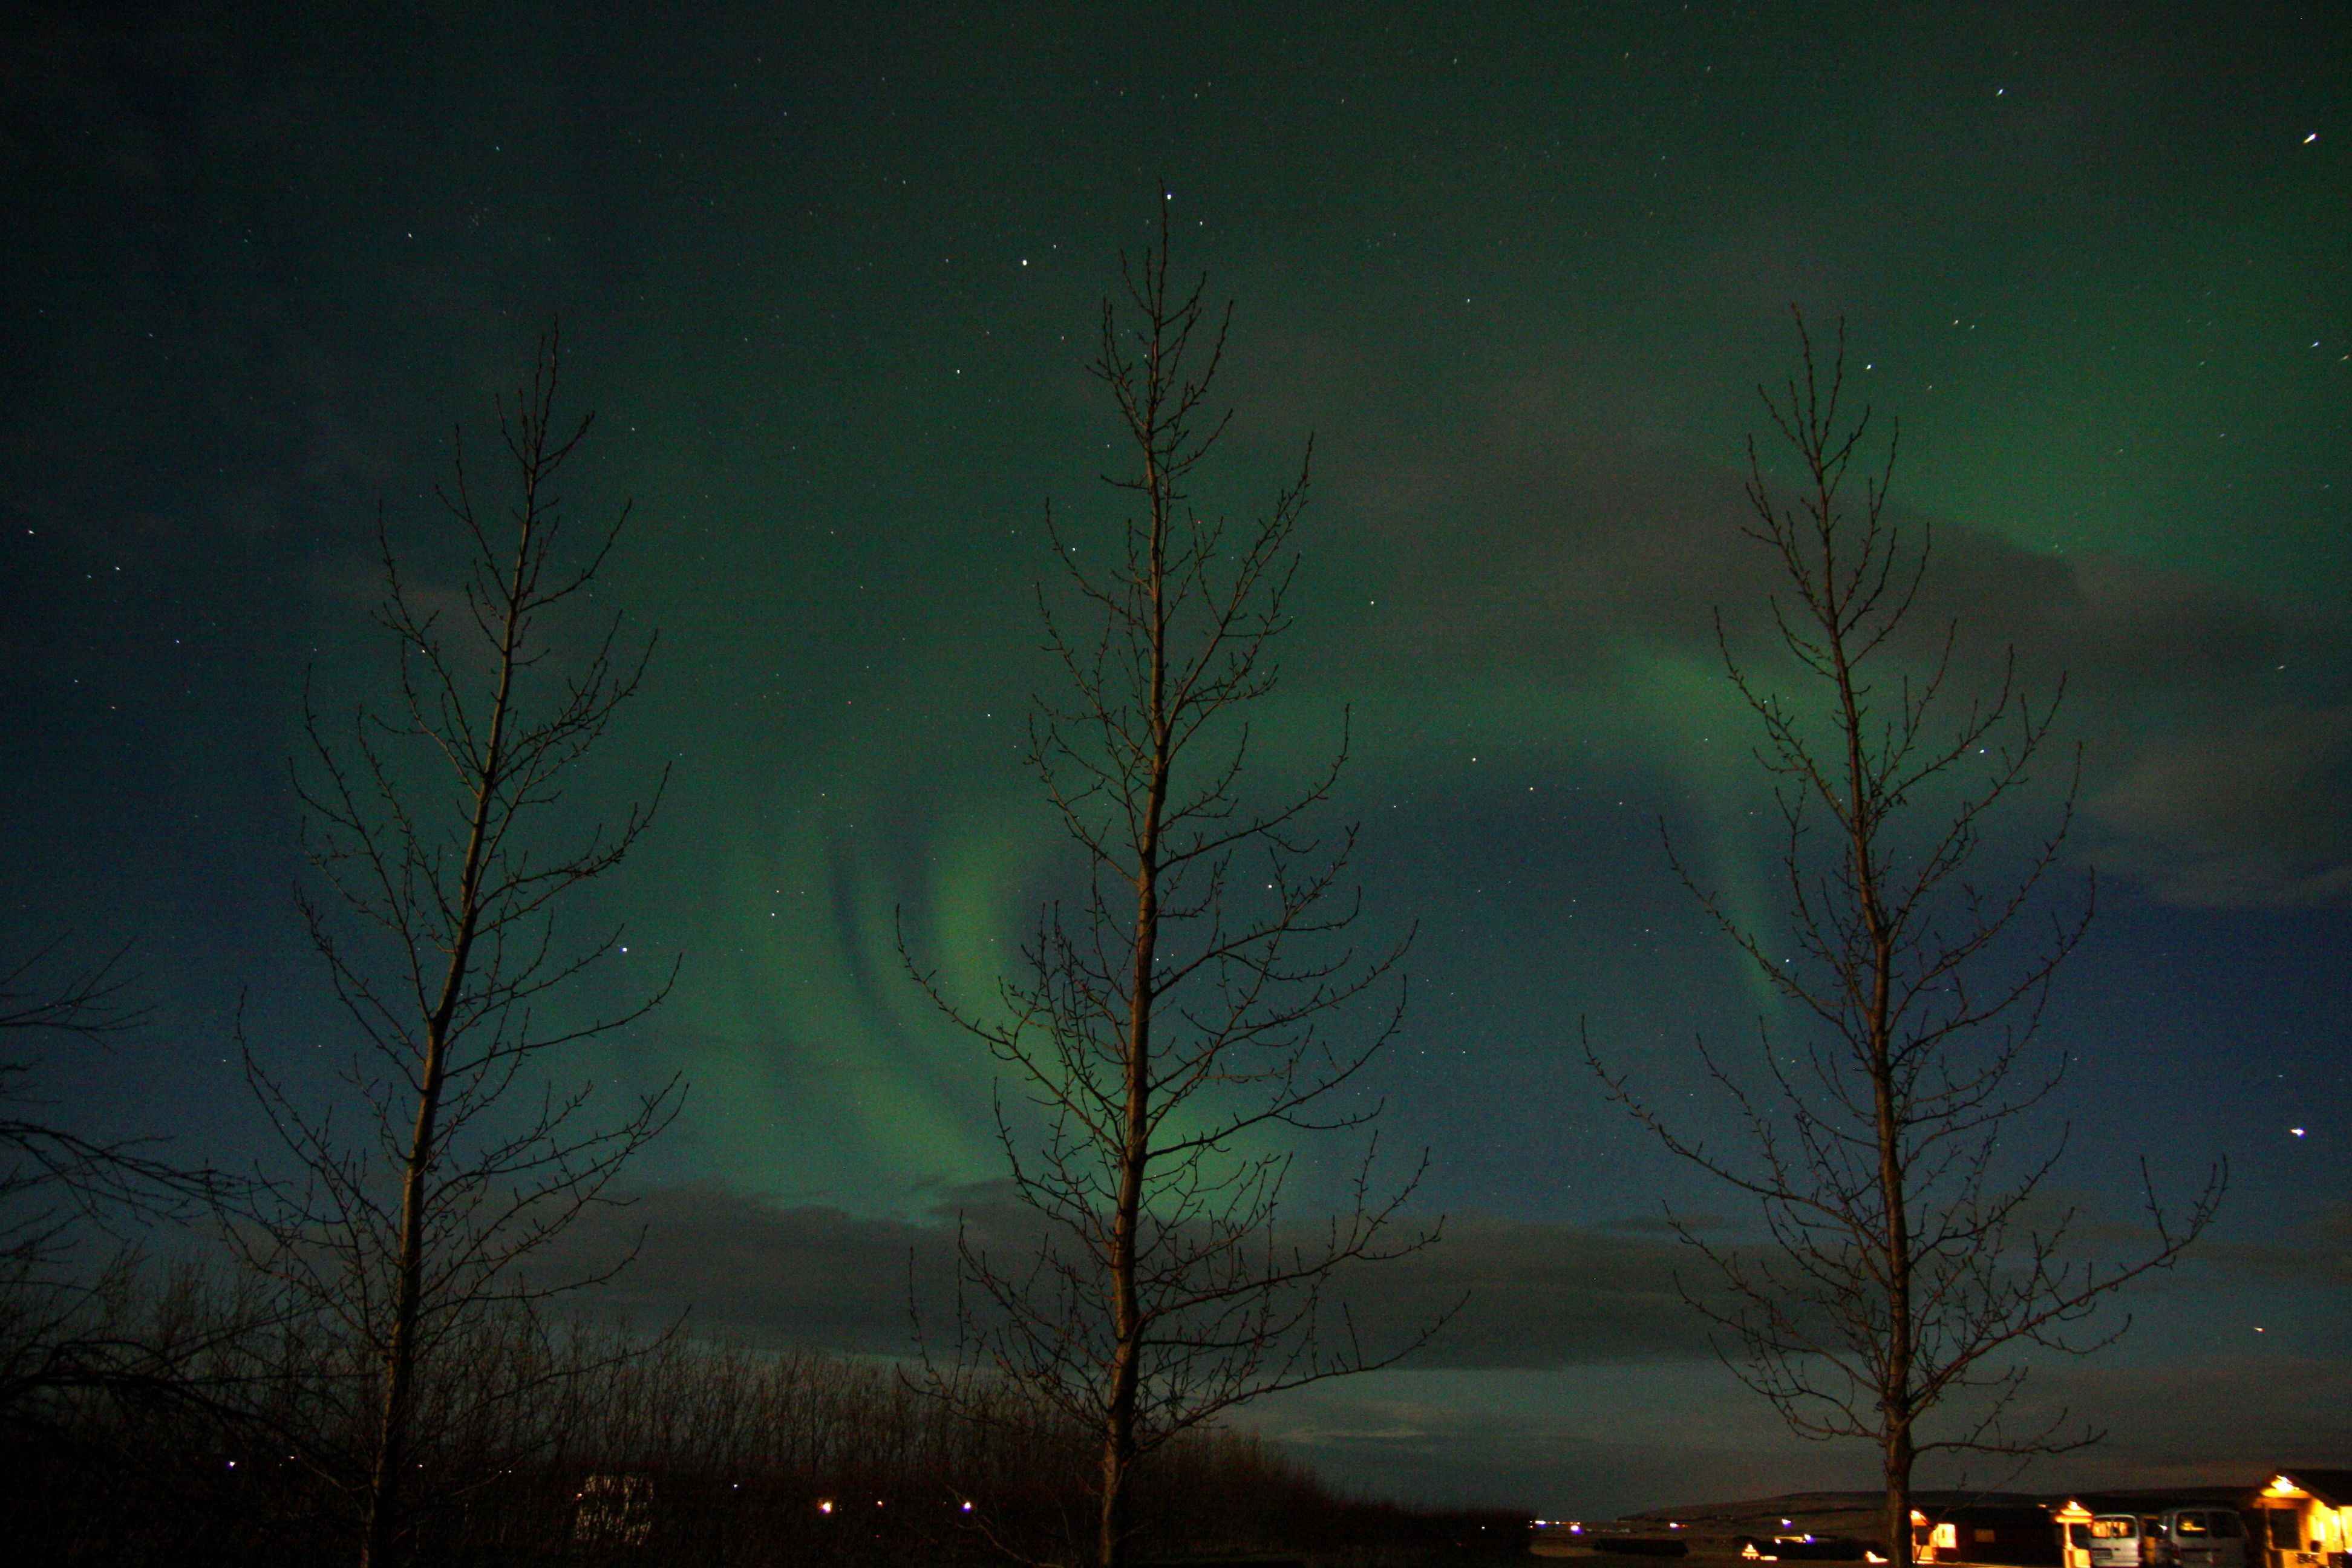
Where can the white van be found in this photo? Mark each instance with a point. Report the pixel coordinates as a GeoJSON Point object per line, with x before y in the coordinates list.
{"type": "Point", "coordinates": [2176, 1538]}
{"type": "Point", "coordinates": [2113, 1540]}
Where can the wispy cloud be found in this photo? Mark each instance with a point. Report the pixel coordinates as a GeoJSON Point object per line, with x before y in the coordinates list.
{"type": "Point", "coordinates": [2249, 810]}
{"type": "Point", "coordinates": [1542, 538]}
{"type": "Point", "coordinates": [1528, 1293]}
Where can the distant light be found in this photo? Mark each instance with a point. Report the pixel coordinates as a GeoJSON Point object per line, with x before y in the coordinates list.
{"type": "Point", "coordinates": [2296, 1131]}
{"type": "Point", "coordinates": [825, 1508]}
{"type": "Point", "coordinates": [967, 1507]}
{"type": "Point", "coordinates": [2310, 138]}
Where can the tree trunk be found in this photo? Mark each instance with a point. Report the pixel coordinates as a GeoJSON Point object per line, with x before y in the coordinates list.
{"type": "Point", "coordinates": [1862, 813]}
{"type": "Point", "coordinates": [1127, 1369]}
{"type": "Point", "coordinates": [1898, 1495]}
{"type": "Point", "coordinates": [383, 1500]}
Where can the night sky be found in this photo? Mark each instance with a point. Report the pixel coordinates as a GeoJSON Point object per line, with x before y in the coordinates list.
{"type": "Point", "coordinates": [830, 281]}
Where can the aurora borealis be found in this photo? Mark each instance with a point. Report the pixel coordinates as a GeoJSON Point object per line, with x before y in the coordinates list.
{"type": "Point", "coordinates": [830, 278]}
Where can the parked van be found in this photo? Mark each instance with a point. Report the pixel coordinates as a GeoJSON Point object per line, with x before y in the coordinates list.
{"type": "Point", "coordinates": [2119, 1539]}
{"type": "Point", "coordinates": [2202, 1538]}
{"type": "Point", "coordinates": [2176, 1538]}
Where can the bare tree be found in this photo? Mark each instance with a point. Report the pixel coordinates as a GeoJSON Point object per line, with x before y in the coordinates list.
{"type": "Point", "coordinates": [1200, 1001]}
{"type": "Point", "coordinates": [55, 1184]}
{"type": "Point", "coordinates": [1912, 1258]}
{"type": "Point", "coordinates": [50, 1172]}
{"type": "Point", "coordinates": [427, 827]}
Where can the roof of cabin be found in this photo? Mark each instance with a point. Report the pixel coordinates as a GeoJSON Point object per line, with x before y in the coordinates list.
{"type": "Point", "coordinates": [2333, 1488]}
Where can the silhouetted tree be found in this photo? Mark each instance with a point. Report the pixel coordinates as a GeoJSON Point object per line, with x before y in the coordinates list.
{"type": "Point", "coordinates": [427, 827]}
{"type": "Point", "coordinates": [49, 1170]}
{"type": "Point", "coordinates": [61, 1190]}
{"type": "Point", "coordinates": [1197, 1002]}
{"type": "Point", "coordinates": [1908, 1259]}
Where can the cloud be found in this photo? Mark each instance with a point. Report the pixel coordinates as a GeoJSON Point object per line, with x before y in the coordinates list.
{"type": "Point", "coordinates": [2249, 812]}
{"type": "Point", "coordinates": [1532, 538]}
{"type": "Point", "coordinates": [1559, 1445]}
{"type": "Point", "coordinates": [740, 1266]}
{"type": "Point", "coordinates": [1574, 1380]}
{"type": "Point", "coordinates": [1528, 1294]}
{"type": "Point", "coordinates": [1522, 1295]}
{"type": "Point", "coordinates": [1598, 1441]}
{"type": "Point", "coordinates": [2317, 1255]}
{"type": "Point", "coordinates": [1536, 1295]}
{"type": "Point", "coordinates": [2180, 1424]}
{"type": "Point", "coordinates": [1544, 539]}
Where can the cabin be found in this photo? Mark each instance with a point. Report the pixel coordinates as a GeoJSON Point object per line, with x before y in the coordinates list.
{"type": "Point", "coordinates": [2304, 1519]}
{"type": "Point", "coordinates": [2011, 1534]}
{"type": "Point", "coordinates": [2296, 1520]}
{"type": "Point", "coordinates": [2300, 1519]}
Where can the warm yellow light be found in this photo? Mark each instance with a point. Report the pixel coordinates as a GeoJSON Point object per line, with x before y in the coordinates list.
{"type": "Point", "coordinates": [2281, 1486]}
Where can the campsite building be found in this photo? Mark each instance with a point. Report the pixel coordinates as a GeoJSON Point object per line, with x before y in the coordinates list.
{"type": "Point", "coordinates": [2306, 1519]}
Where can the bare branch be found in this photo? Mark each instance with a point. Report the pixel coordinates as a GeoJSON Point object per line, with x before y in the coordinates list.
{"type": "Point", "coordinates": [436, 920]}
{"type": "Point", "coordinates": [1909, 1260]}
{"type": "Point", "coordinates": [1201, 997]}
